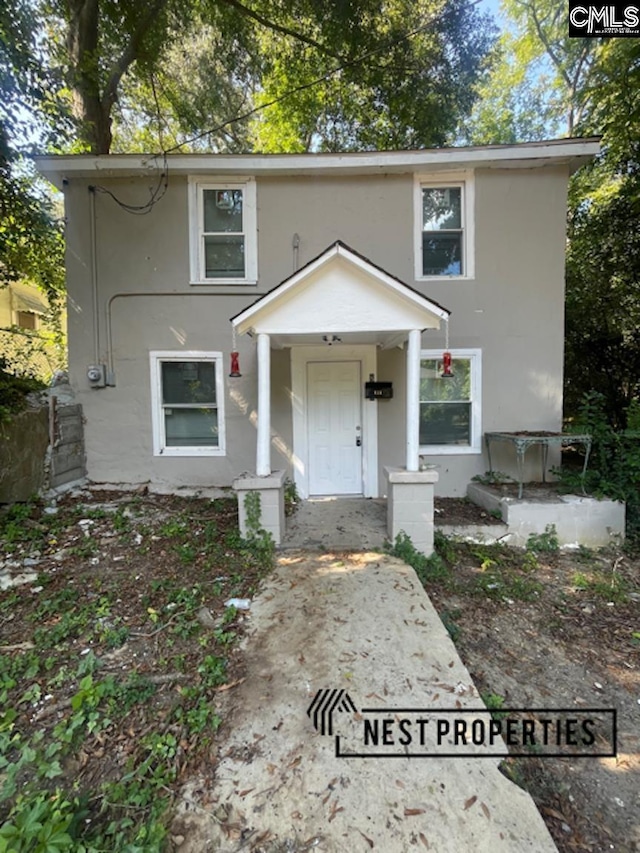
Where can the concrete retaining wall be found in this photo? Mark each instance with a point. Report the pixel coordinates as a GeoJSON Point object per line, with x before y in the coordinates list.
{"type": "Point", "coordinates": [24, 439]}
{"type": "Point", "coordinates": [578, 520]}
{"type": "Point", "coordinates": [41, 448]}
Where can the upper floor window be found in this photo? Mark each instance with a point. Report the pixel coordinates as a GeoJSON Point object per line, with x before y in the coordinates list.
{"type": "Point", "coordinates": [444, 227]}
{"type": "Point", "coordinates": [450, 407]}
{"type": "Point", "coordinates": [187, 396]}
{"type": "Point", "coordinates": [223, 232]}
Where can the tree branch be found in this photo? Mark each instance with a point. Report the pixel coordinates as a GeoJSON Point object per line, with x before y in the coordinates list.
{"type": "Point", "coordinates": [129, 55]}
{"type": "Point", "coordinates": [280, 28]}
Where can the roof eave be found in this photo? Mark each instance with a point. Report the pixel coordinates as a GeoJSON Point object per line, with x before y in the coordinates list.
{"type": "Point", "coordinates": [570, 152]}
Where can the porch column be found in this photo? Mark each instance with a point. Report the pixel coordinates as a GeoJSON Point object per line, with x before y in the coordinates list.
{"type": "Point", "coordinates": [263, 455]}
{"type": "Point", "coordinates": [413, 400]}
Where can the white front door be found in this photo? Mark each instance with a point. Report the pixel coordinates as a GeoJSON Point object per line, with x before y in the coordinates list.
{"type": "Point", "coordinates": [335, 427]}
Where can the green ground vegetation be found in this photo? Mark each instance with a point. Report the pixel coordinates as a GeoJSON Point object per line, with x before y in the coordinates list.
{"type": "Point", "coordinates": [114, 661]}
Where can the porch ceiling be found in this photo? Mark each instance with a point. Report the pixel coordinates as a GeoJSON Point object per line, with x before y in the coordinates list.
{"type": "Point", "coordinates": [343, 294]}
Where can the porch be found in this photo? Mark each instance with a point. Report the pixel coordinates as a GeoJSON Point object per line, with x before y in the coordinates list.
{"type": "Point", "coordinates": [336, 316]}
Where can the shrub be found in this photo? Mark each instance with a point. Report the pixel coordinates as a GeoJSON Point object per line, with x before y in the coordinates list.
{"type": "Point", "coordinates": [614, 462]}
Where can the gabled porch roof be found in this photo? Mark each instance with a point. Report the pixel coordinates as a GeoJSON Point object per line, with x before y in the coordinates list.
{"type": "Point", "coordinates": [340, 293]}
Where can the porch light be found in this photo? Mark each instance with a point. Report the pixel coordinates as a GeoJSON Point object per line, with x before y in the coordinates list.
{"type": "Point", "coordinates": [331, 339]}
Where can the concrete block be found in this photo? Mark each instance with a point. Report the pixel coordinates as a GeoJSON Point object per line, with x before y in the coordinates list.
{"type": "Point", "coordinates": [271, 491]}
{"type": "Point", "coordinates": [410, 506]}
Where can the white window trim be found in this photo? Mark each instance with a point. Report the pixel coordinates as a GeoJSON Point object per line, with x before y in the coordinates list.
{"type": "Point", "coordinates": [465, 180]}
{"type": "Point", "coordinates": [476, 405]}
{"type": "Point", "coordinates": [156, 358]}
{"type": "Point", "coordinates": [250, 224]}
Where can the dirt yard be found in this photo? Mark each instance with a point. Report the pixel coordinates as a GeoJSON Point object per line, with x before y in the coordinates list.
{"type": "Point", "coordinates": [555, 630]}
{"type": "Point", "coordinates": [117, 646]}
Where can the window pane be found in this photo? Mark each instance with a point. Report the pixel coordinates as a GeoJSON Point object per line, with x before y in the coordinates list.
{"type": "Point", "coordinates": [188, 382]}
{"type": "Point", "coordinates": [441, 208]}
{"type": "Point", "coordinates": [445, 423]}
{"type": "Point", "coordinates": [224, 257]}
{"type": "Point", "coordinates": [441, 253]}
{"type": "Point", "coordinates": [222, 210]}
{"type": "Point", "coordinates": [191, 427]}
{"type": "Point", "coordinates": [435, 387]}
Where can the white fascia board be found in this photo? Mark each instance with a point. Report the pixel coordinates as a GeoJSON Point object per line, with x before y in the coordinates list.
{"type": "Point", "coordinates": [525, 155]}
{"type": "Point", "coordinates": [244, 321]}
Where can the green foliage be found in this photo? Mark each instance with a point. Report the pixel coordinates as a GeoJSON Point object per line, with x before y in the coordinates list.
{"type": "Point", "coordinates": [432, 568]}
{"type": "Point", "coordinates": [544, 543]}
{"type": "Point", "coordinates": [610, 586]}
{"type": "Point", "coordinates": [259, 541]}
{"type": "Point", "coordinates": [614, 462]}
{"type": "Point", "coordinates": [38, 824]}
{"type": "Point", "coordinates": [14, 389]}
{"type": "Point", "coordinates": [59, 702]}
{"type": "Point", "coordinates": [291, 497]}
{"type": "Point", "coordinates": [494, 703]}
{"type": "Point", "coordinates": [492, 478]}
{"type": "Point", "coordinates": [448, 619]}
{"type": "Point", "coordinates": [408, 93]}
{"type": "Point", "coordinates": [504, 574]}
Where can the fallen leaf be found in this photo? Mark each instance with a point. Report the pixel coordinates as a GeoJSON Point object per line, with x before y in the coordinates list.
{"type": "Point", "coordinates": [368, 840]}
{"type": "Point", "coordinates": [245, 792]}
{"type": "Point", "coordinates": [335, 808]}
{"type": "Point", "coordinates": [423, 838]}
{"type": "Point", "coordinates": [400, 783]}
{"type": "Point", "coordinates": [296, 815]}
{"type": "Point", "coordinates": [413, 812]}
{"type": "Point", "coordinates": [228, 686]}
{"type": "Point", "coordinates": [554, 813]}
{"type": "Point", "coordinates": [486, 811]}
{"type": "Point", "coordinates": [468, 803]}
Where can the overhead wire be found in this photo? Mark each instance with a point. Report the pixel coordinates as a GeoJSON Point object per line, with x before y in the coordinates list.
{"type": "Point", "coordinates": [163, 177]}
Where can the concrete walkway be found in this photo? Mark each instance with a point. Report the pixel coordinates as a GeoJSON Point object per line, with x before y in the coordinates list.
{"type": "Point", "coordinates": [350, 524]}
{"type": "Point", "coordinates": [361, 623]}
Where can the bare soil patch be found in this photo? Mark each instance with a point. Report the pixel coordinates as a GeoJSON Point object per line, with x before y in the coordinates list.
{"type": "Point", "coordinates": [563, 632]}
{"type": "Point", "coordinates": [116, 649]}
{"type": "Point", "coordinates": [461, 511]}
{"type": "Point", "coordinates": [125, 593]}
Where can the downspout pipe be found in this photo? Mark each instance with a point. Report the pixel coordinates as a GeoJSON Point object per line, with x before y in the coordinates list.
{"type": "Point", "coordinates": [93, 240]}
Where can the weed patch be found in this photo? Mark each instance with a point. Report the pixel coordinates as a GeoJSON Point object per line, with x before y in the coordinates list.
{"type": "Point", "coordinates": [109, 688]}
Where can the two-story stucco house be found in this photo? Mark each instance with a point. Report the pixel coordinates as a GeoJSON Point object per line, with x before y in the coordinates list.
{"type": "Point", "coordinates": [387, 310]}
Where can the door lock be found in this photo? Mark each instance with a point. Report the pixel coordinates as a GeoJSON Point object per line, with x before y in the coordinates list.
{"type": "Point", "coordinates": [358, 441]}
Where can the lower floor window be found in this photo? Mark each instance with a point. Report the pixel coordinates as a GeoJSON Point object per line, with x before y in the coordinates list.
{"type": "Point", "coordinates": [450, 418]}
{"type": "Point", "coordinates": [187, 395]}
